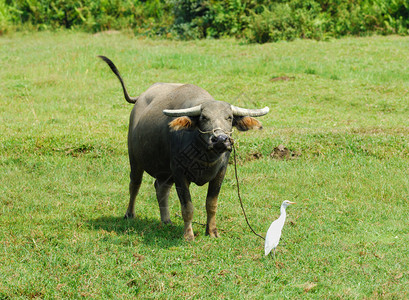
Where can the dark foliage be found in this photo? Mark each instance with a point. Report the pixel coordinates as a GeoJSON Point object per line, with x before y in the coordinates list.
{"type": "Point", "coordinates": [256, 20]}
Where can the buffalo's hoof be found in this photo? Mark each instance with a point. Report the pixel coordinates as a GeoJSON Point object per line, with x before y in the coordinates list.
{"type": "Point", "coordinates": [189, 236]}
{"type": "Point", "coordinates": [212, 233]}
{"type": "Point", "coordinates": [167, 222]}
{"type": "Point", "coordinates": [129, 215]}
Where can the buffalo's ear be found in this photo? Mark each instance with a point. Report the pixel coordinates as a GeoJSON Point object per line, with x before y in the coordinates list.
{"type": "Point", "coordinates": [247, 123]}
{"type": "Point", "coordinates": [181, 123]}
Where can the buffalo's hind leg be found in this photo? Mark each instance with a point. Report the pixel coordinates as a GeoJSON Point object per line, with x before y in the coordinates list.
{"type": "Point", "coordinates": [134, 185]}
{"type": "Point", "coordinates": [162, 194]}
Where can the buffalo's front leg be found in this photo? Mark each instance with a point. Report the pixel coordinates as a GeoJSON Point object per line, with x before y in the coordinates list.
{"type": "Point", "coordinates": [211, 203]}
{"type": "Point", "coordinates": [182, 188]}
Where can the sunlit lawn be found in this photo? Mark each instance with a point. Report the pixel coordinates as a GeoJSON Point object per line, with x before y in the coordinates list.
{"type": "Point", "coordinates": [340, 107]}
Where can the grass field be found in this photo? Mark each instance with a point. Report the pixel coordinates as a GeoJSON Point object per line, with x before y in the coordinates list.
{"type": "Point", "coordinates": [343, 112]}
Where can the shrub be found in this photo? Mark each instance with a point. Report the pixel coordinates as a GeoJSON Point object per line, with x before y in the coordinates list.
{"type": "Point", "coordinates": [188, 18]}
{"type": "Point", "coordinates": [5, 18]}
{"type": "Point", "coordinates": [284, 21]}
{"type": "Point", "coordinates": [258, 20]}
{"type": "Point", "coordinates": [90, 15]}
{"type": "Point", "coordinates": [227, 18]}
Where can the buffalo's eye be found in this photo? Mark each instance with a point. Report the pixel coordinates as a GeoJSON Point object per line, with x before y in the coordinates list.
{"type": "Point", "coordinates": [229, 118]}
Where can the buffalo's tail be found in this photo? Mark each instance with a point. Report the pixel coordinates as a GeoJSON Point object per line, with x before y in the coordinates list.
{"type": "Point", "coordinates": [116, 72]}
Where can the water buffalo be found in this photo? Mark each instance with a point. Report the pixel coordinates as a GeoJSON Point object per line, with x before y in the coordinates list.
{"type": "Point", "coordinates": [179, 134]}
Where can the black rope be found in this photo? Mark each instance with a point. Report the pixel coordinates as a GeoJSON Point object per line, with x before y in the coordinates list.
{"type": "Point", "coordinates": [238, 194]}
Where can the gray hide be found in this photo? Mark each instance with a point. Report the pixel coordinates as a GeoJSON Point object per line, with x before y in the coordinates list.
{"type": "Point", "coordinates": [179, 134]}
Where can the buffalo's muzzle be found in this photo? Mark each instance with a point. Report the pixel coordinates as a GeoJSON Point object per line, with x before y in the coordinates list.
{"type": "Point", "coordinates": [220, 143]}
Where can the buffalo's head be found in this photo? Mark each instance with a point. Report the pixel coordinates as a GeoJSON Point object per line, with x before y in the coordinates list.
{"type": "Point", "coordinates": [215, 120]}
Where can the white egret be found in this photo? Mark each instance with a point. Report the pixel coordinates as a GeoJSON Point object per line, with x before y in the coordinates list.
{"type": "Point", "coordinates": [274, 231]}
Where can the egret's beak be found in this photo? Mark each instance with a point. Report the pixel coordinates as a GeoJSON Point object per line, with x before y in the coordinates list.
{"type": "Point", "coordinates": [291, 202]}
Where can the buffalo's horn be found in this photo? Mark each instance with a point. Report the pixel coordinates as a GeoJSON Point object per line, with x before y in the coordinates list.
{"type": "Point", "coordinates": [189, 112]}
{"type": "Point", "coordinates": [241, 112]}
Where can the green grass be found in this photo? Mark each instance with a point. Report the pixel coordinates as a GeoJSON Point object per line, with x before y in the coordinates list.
{"type": "Point", "coordinates": [64, 171]}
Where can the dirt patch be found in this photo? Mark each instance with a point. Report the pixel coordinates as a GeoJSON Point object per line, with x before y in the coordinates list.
{"type": "Point", "coordinates": [76, 151]}
{"type": "Point", "coordinates": [254, 156]}
{"type": "Point", "coordinates": [282, 78]}
{"type": "Point", "coordinates": [281, 152]}
{"type": "Point", "coordinates": [107, 32]}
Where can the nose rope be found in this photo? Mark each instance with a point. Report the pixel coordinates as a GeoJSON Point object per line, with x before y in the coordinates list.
{"type": "Point", "coordinates": [214, 131]}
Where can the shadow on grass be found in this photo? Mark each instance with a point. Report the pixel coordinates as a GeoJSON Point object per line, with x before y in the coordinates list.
{"type": "Point", "coordinates": [148, 231]}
